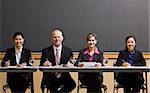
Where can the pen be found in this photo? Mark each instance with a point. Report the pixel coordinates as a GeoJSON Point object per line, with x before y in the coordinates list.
{"type": "Point", "coordinates": [49, 63]}
{"type": "Point", "coordinates": [47, 59]}
{"type": "Point", "coordinates": [123, 60]}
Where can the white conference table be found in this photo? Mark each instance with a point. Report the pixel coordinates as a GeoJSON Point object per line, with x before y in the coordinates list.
{"type": "Point", "coordinates": [95, 69]}
{"type": "Point", "coordinates": [18, 69]}
{"type": "Point", "coordinates": [75, 69]}
{"type": "Point", "coordinates": [130, 69]}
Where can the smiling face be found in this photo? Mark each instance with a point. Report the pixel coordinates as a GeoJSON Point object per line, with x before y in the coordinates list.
{"type": "Point", "coordinates": [130, 44]}
{"type": "Point", "coordinates": [57, 38]}
{"type": "Point", "coordinates": [92, 42]}
{"type": "Point", "coordinates": [18, 41]}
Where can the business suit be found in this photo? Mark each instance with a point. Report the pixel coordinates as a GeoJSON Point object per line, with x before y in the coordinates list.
{"type": "Point", "coordinates": [49, 78]}
{"type": "Point", "coordinates": [92, 80]}
{"type": "Point", "coordinates": [19, 81]}
{"type": "Point", "coordinates": [131, 80]}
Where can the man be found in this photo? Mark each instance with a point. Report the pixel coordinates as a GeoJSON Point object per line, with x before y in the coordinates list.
{"type": "Point", "coordinates": [57, 54]}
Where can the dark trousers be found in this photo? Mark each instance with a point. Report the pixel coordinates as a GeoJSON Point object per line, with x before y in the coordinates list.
{"type": "Point", "coordinates": [132, 90]}
{"type": "Point", "coordinates": [17, 82]}
{"type": "Point", "coordinates": [17, 87]}
{"type": "Point", "coordinates": [93, 82]}
{"type": "Point", "coordinates": [53, 83]}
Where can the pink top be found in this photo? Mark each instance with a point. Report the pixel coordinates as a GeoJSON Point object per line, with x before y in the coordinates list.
{"type": "Point", "coordinates": [96, 51]}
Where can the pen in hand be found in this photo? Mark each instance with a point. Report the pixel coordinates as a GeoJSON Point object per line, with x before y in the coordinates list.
{"type": "Point", "coordinates": [125, 64]}
{"type": "Point", "coordinates": [47, 63]}
{"type": "Point", "coordinates": [7, 63]}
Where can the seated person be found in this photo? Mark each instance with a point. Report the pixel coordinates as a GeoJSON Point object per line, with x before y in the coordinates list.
{"type": "Point", "coordinates": [91, 54]}
{"type": "Point", "coordinates": [17, 56]}
{"type": "Point", "coordinates": [57, 54]}
{"type": "Point", "coordinates": [130, 57]}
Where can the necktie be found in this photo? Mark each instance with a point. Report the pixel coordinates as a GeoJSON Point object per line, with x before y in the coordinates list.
{"type": "Point", "coordinates": [57, 57]}
{"type": "Point", "coordinates": [57, 60]}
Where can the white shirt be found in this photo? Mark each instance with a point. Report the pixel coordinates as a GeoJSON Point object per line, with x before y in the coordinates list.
{"type": "Point", "coordinates": [18, 54]}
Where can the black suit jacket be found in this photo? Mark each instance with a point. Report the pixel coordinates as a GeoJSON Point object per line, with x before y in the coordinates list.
{"type": "Point", "coordinates": [19, 76]}
{"type": "Point", "coordinates": [48, 53]}
{"type": "Point", "coordinates": [10, 55]}
{"type": "Point", "coordinates": [138, 60]}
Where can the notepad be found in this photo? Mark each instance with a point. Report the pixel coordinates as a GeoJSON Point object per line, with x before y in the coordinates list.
{"type": "Point", "coordinates": [89, 64]}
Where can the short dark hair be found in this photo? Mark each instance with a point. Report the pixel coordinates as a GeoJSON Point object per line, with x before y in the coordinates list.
{"type": "Point", "coordinates": [18, 33]}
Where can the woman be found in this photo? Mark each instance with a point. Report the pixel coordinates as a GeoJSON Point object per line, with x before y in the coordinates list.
{"type": "Point", "coordinates": [17, 56]}
{"type": "Point", "coordinates": [130, 57]}
{"type": "Point", "coordinates": [91, 54]}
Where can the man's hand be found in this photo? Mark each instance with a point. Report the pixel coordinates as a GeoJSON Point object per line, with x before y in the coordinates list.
{"type": "Point", "coordinates": [47, 63]}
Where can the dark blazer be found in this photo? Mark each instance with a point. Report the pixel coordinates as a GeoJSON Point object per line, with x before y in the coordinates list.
{"type": "Point", "coordinates": [85, 58]}
{"type": "Point", "coordinates": [10, 55]}
{"type": "Point", "coordinates": [138, 60]}
{"type": "Point", "coordinates": [48, 53]}
{"type": "Point", "coordinates": [19, 76]}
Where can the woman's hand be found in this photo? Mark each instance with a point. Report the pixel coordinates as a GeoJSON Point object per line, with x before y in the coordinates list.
{"type": "Point", "coordinates": [22, 65]}
{"type": "Point", "coordinates": [98, 65]}
{"type": "Point", "coordinates": [80, 65]}
{"type": "Point", "coordinates": [7, 64]}
{"type": "Point", "coordinates": [125, 64]}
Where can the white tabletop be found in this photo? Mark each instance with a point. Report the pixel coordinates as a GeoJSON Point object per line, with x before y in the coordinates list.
{"type": "Point", "coordinates": [75, 69]}
{"type": "Point", "coordinates": [95, 69]}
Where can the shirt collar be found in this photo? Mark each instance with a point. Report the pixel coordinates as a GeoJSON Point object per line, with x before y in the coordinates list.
{"type": "Point", "coordinates": [96, 51]}
{"type": "Point", "coordinates": [133, 52]}
{"type": "Point", "coordinates": [59, 48]}
{"type": "Point", "coordinates": [18, 51]}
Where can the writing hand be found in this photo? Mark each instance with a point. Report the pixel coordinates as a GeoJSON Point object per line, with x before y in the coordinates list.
{"type": "Point", "coordinates": [47, 63]}
{"type": "Point", "coordinates": [125, 64]}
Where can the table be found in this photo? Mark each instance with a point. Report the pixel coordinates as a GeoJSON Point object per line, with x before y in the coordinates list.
{"type": "Point", "coordinates": [18, 69]}
{"type": "Point", "coordinates": [95, 69]}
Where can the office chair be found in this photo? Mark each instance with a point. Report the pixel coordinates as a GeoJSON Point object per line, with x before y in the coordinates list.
{"type": "Point", "coordinates": [84, 86]}
{"type": "Point", "coordinates": [117, 86]}
{"type": "Point", "coordinates": [80, 85]}
{"type": "Point", "coordinates": [30, 86]}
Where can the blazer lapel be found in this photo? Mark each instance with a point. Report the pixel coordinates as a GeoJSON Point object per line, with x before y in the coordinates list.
{"type": "Point", "coordinates": [14, 55]}
{"type": "Point", "coordinates": [95, 57]}
{"type": "Point", "coordinates": [135, 57]}
{"type": "Point", "coordinates": [52, 55]}
{"type": "Point", "coordinates": [62, 56]}
{"type": "Point", "coordinates": [22, 56]}
{"type": "Point", "coordinates": [126, 57]}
